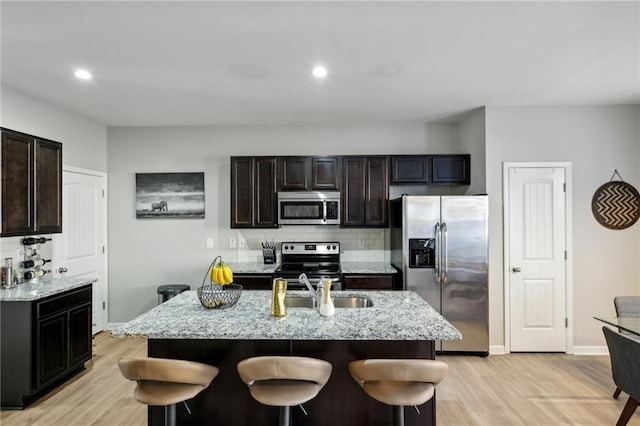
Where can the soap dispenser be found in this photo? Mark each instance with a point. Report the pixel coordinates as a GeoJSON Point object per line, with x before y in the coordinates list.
{"type": "Point", "coordinates": [326, 306]}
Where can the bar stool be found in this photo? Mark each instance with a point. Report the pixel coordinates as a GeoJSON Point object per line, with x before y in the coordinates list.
{"type": "Point", "coordinates": [166, 382]}
{"type": "Point", "coordinates": [399, 382]}
{"type": "Point", "coordinates": [283, 381]}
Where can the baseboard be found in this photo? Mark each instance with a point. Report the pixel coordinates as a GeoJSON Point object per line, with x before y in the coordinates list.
{"type": "Point", "coordinates": [496, 350]}
{"type": "Point", "coordinates": [577, 350]}
{"type": "Point", "coordinates": [590, 350]}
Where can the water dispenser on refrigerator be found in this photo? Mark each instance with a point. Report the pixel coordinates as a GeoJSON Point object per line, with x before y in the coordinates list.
{"type": "Point", "coordinates": [422, 253]}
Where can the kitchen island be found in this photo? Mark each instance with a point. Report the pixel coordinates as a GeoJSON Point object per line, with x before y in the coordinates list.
{"type": "Point", "coordinates": [398, 325]}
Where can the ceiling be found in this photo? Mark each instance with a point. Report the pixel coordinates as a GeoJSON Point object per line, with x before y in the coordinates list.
{"type": "Point", "coordinates": [243, 63]}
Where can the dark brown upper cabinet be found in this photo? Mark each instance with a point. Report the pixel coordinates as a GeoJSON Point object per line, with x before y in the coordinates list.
{"type": "Point", "coordinates": [365, 191]}
{"type": "Point", "coordinates": [253, 192]}
{"type": "Point", "coordinates": [409, 169]}
{"type": "Point", "coordinates": [31, 185]}
{"type": "Point", "coordinates": [308, 173]}
{"type": "Point", "coordinates": [451, 169]}
{"type": "Point", "coordinates": [325, 173]}
{"type": "Point", "coordinates": [292, 172]}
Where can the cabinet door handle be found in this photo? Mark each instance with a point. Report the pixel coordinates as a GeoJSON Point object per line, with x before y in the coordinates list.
{"type": "Point", "coordinates": [62, 270]}
{"type": "Point", "coordinates": [516, 269]}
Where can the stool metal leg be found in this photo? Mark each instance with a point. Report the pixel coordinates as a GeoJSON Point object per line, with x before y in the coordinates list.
{"type": "Point", "coordinates": [398, 415]}
{"type": "Point", "coordinates": [170, 415]}
{"type": "Point", "coordinates": [285, 413]}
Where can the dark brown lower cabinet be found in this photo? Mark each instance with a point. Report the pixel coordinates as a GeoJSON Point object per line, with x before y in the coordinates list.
{"type": "Point", "coordinates": [43, 343]}
{"type": "Point", "coordinates": [254, 281]}
{"type": "Point", "coordinates": [368, 281]}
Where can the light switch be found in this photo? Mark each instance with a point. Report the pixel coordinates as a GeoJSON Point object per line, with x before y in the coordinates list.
{"type": "Point", "coordinates": [209, 242]}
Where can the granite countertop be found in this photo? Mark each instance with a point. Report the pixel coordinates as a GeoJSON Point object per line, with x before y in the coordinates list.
{"type": "Point", "coordinates": [252, 267]}
{"type": "Point", "coordinates": [34, 291]}
{"type": "Point", "coordinates": [347, 268]}
{"type": "Point", "coordinates": [367, 268]}
{"type": "Point", "coordinates": [395, 315]}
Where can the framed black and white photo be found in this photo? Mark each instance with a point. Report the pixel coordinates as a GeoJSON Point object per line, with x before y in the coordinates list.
{"type": "Point", "coordinates": [169, 195]}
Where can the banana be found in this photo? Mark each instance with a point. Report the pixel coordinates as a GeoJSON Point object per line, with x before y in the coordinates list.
{"type": "Point", "coordinates": [217, 275]}
{"type": "Point", "coordinates": [221, 273]}
{"type": "Point", "coordinates": [227, 274]}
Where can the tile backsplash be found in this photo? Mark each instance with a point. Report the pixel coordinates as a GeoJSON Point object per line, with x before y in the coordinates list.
{"type": "Point", "coordinates": [357, 245]}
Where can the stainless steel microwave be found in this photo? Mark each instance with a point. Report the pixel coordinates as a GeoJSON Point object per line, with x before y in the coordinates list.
{"type": "Point", "coordinates": [309, 208]}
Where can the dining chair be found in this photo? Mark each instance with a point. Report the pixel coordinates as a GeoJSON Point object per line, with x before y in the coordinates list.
{"type": "Point", "coordinates": [626, 306]}
{"type": "Point", "coordinates": [625, 368]}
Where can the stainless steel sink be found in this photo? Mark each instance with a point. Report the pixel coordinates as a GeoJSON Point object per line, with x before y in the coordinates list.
{"type": "Point", "coordinates": [299, 302]}
{"type": "Point", "coordinates": [338, 302]}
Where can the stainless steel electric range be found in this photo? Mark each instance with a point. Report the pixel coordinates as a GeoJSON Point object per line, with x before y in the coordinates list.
{"type": "Point", "coordinates": [315, 259]}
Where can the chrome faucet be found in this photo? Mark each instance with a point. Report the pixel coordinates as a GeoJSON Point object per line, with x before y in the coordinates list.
{"type": "Point", "coordinates": [314, 293]}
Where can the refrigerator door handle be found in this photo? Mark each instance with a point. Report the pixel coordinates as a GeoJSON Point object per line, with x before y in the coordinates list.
{"type": "Point", "coordinates": [436, 270]}
{"type": "Point", "coordinates": [445, 257]}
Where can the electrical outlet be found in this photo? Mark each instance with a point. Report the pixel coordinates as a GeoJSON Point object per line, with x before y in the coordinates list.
{"type": "Point", "coordinates": [361, 243]}
{"type": "Point", "coordinates": [20, 254]}
{"type": "Point", "coordinates": [243, 243]}
{"type": "Point", "coordinates": [209, 242]}
{"type": "Point", "coordinates": [232, 243]}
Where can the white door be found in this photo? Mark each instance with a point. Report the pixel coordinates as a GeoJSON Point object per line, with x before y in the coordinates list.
{"type": "Point", "coordinates": [79, 249]}
{"type": "Point", "coordinates": [536, 259]}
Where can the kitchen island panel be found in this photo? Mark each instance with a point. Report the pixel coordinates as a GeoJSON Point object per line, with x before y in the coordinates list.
{"type": "Point", "coordinates": [341, 402]}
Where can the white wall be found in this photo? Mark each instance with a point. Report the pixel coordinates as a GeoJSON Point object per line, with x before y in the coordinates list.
{"type": "Point", "coordinates": [472, 141]}
{"type": "Point", "coordinates": [147, 253]}
{"type": "Point", "coordinates": [84, 141]}
{"type": "Point", "coordinates": [596, 140]}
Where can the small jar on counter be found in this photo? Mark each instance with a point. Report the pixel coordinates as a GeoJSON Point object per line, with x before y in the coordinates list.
{"type": "Point", "coordinates": [7, 278]}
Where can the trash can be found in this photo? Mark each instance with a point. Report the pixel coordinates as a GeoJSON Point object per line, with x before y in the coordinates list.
{"type": "Point", "coordinates": [166, 292]}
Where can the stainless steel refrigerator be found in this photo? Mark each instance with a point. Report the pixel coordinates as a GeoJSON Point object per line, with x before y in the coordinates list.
{"type": "Point", "coordinates": [439, 244]}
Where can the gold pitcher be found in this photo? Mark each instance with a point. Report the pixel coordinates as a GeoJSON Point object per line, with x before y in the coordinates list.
{"type": "Point", "coordinates": [278, 305]}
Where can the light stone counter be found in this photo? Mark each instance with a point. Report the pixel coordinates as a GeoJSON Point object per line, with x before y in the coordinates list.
{"type": "Point", "coordinates": [252, 268]}
{"type": "Point", "coordinates": [367, 268]}
{"type": "Point", "coordinates": [34, 291]}
{"type": "Point", "coordinates": [347, 268]}
{"type": "Point", "coordinates": [395, 315]}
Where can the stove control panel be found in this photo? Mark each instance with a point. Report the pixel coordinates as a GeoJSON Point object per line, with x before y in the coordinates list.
{"type": "Point", "coordinates": [315, 248]}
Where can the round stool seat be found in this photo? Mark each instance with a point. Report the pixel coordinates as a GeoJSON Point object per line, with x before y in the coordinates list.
{"type": "Point", "coordinates": [399, 382]}
{"type": "Point", "coordinates": [284, 380]}
{"type": "Point", "coordinates": [166, 381]}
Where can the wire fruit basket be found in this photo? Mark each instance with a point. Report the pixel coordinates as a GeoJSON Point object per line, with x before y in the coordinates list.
{"type": "Point", "coordinates": [216, 296]}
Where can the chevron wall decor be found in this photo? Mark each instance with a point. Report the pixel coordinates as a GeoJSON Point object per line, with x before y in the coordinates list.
{"type": "Point", "coordinates": [616, 205]}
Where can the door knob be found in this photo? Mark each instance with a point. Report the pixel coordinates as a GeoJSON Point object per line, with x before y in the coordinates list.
{"type": "Point", "coordinates": [62, 270]}
{"type": "Point", "coordinates": [516, 269]}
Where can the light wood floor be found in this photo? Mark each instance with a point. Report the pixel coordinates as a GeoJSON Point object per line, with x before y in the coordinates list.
{"type": "Point", "coordinates": [517, 389]}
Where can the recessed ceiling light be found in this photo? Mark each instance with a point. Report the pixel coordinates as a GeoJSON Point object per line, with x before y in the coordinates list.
{"type": "Point", "coordinates": [319, 71]}
{"type": "Point", "coordinates": [82, 74]}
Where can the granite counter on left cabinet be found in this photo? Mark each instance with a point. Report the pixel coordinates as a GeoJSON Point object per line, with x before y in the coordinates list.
{"type": "Point", "coordinates": [45, 337]}
{"type": "Point", "coordinates": [44, 288]}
